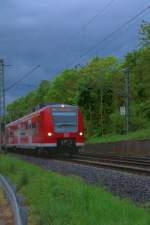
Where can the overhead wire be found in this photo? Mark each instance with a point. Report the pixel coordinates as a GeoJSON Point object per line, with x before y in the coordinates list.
{"type": "Point", "coordinates": [93, 47]}
{"type": "Point", "coordinates": [90, 21]}
{"type": "Point", "coordinates": [131, 20]}
{"type": "Point", "coordinates": [121, 46]}
{"type": "Point", "coordinates": [82, 28]}
{"type": "Point", "coordinates": [101, 12]}
{"type": "Point", "coordinates": [112, 33]}
{"type": "Point", "coordinates": [21, 78]}
{"type": "Point", "coordinates": [27, 85]}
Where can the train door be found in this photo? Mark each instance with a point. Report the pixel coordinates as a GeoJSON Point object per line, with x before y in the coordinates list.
{"type": "Point", "coordinates": [30, 131]}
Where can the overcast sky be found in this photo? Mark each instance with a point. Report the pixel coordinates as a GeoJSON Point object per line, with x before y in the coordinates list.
{"type": "Point", "coordinates": [52, 34]}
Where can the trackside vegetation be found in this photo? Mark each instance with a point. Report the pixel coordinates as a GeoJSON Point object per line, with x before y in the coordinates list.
{"type": "Point", "coordinates": [99, 88]}
{"type": "Point", "coordinates": [141, 134]}
{"type": "Point", "coordinates": [5, 209]}
{"type": "Point", "coordinates": [54, 199]}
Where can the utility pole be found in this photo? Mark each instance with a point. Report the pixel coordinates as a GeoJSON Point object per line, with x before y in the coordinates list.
{"type": "Point", "coordinates": [127, 100]}
{"type": "Point", "coordinates": [2, 102]}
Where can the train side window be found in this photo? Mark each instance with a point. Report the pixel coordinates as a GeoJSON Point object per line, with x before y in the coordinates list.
{"type": "Point", "coordinates": [33, 128]}
{"type": "Point", "coordinates": [11, 133]}
{"type": "Point", "coordinates": [29, 126]}
{"type": "Point", "coordinates": [33, 125]}
{"type": "Point", "coordinates": [22, 131]}
{"type": "Point", "coordinates": [37, 127]}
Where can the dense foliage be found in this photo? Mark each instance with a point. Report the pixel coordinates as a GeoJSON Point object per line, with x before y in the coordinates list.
{"type": "Point", "coordinates": [99, 88]}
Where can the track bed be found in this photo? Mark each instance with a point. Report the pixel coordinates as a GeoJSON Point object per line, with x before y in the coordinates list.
{"type": "Point", "coordinates": [124, 184]}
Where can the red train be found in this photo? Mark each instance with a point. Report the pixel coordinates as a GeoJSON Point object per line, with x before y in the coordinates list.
{"type": "Point", "coordinates": [56, 127]}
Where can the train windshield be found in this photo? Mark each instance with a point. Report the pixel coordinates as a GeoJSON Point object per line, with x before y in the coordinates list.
{"type": "Point", "coordinates": [65, 121]}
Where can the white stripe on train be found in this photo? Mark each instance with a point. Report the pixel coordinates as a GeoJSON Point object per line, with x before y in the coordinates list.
{"type": "Point", "coordinates": [38, 145]}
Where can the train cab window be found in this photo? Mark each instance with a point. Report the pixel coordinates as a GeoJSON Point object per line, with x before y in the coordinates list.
{"type": "Point", "coordinates": [65, 121]}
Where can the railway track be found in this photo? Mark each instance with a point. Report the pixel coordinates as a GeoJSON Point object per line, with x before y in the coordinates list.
{"type": "Point", "coordinates": [131, 183]}
{"type": "Point", "coordinates": [140, 165]}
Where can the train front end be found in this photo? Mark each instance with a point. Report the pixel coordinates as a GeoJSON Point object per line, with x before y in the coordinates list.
{"type": "Point", "coordinates": [68, 129]}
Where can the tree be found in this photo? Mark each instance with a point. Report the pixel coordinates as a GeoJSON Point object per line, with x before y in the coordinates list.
{"type": "Point", "coordinates": [64, 87]}
{"type": "Point", "coordinates": [41, 92]}
{"type": "Point", "coordinates": [145, 34]}
{"type": "Point", "coordinates": [95, 92]}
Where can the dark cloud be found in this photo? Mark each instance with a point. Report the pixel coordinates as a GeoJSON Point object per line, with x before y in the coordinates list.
{"type": "Point", "coordinates": [38, 32]}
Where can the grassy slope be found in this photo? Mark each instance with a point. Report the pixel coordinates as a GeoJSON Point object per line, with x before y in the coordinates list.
{"type": "Point", "coordinates": [2, 199]}
{"type": "Point", "coordinates": [137, 135]}
{"type": "Point", "coordinates": [61, 200]}
{"type": "Point", "coordinates": [5, 209]}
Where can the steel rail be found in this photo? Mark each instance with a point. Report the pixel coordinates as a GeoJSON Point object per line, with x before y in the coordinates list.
{"type": "Point", "coordinates": [115, 156]}
{"type": "Point", "coordinates": [122, 160]}
{"type": "Point", "coordinates": [128, 164]}
{"type": "Point", "coordinates": [134, 167]}
{"type": "Point", "coordinates": [112, 166]}
{"type": "Point", "coordinates": [12, 199]}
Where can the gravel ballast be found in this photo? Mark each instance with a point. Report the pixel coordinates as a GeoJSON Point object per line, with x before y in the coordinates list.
{"type": "Point", "coordinates": [131, 186]}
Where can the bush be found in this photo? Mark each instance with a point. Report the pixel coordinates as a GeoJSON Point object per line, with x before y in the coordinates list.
{"type": "Point", "coordinates": [138, 118]}
{"type": "Point", "coordinates": [117, 123]}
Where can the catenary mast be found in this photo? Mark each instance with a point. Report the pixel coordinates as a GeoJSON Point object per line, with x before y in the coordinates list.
{"type": "Point", "coordinates": [2, 100]}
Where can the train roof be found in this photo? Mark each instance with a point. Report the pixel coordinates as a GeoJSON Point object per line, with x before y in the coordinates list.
{"type": "Point", "coordinates": [40, 109]}
{"type": "Point", "coordinates": [61, 104]}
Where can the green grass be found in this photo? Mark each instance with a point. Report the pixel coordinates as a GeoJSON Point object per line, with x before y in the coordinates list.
{"type": "Point", "coordinates": [60, 200]}
{"type": "Point", "coordinates": [137, 135]}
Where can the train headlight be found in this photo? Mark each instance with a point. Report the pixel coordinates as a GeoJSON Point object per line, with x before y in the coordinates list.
{"type": "Point", "coordinates": [81, 133]}
{"type": "Point", "coordinates": [49, 134]}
